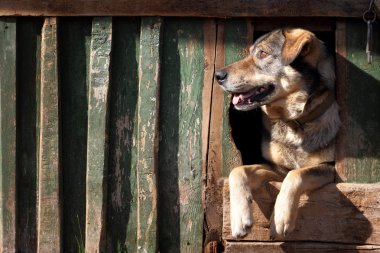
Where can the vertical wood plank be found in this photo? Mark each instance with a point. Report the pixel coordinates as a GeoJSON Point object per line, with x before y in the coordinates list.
{"type": "Point", "coordinates": [214, 160]}
{"type": "Point", "coordinates": [74, 50]}
{"type": "Point", "coordinates": [8, 135]}
{"type": "Point", "coordinates": [97, 134]}
{"type": "Point", "coordinates": [28, 79]}
{"type": "Point", "coordinates": [49, 216]}
{"type": "Point", "coordinates": [180, 171]}
{"type": "Point", "coordinates": [122, 189]}
{"type": "Point", "coordinates": [211, 132]}
{"type": "Point", "coordinates": [359, 157]}
{"type": "Point", "coordinates": [341, 80]}
{"type": "Point", "coordinates": [148, 103]}
{"type": "Point", "coordinates": [238, 36]}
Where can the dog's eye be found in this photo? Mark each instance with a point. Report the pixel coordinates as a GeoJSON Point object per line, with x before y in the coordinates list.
{"type": "Point", "coordinates": [262, 54]}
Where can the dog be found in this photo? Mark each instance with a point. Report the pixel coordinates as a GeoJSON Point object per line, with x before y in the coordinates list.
{"type": "Point", "coordinates": [289, 74]}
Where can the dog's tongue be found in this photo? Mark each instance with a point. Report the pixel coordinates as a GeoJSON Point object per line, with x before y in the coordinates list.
{"type": "Point", "coordinates": [236, 99]}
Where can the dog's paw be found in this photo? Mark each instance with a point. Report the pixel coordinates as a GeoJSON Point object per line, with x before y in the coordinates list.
{"type": "Point", "coordinates": [241, 219]}
{"type": "Point", "coordinates": [283, 218]}
{"type": "Point", "coordinates": [240, 201]}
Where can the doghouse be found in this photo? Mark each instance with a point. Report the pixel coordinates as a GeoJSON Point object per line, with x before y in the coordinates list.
{"type": "Point", "coordinates": [116, 138]}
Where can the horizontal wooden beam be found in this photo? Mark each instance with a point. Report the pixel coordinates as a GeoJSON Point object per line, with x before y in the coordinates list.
{"type": "Point", "coordinates": [212, 8]}
{"type": "Point", "coordinates": [336, 213]}
{"type": "Point", "coordinates": [299, 247]}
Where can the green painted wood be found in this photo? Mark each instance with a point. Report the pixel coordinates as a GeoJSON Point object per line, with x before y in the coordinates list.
{"type": "Point", "coordinates": [28, 78]}
{"type": "Point", "coordinates": [362, 100]}
{"type": "Point", "coordinates": [148, 100]}
{"type": "Point", "coordinates": [74, 50]}
{"type": "Point", "coordinates": [180, 154]}
{"type": "Point", "coordinates": [97, 134]}
{"type": "Point", "coordinates": [49, 220]}
{"type": "Point", "coordinates": [122, 188]}
{"type": "Point", "coordinates": [8, 135]}
{"type": "Point", "coordinates": [237, 39]}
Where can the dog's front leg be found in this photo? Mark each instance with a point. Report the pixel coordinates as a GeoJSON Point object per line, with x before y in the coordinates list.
{"type": "Point", "coordinates": [242, 181]}
{"type": "Point", "coordinates": [295, 184]}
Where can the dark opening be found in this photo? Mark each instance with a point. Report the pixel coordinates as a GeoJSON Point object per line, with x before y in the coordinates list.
{"type": "Point", "coordinates": [246, 127]}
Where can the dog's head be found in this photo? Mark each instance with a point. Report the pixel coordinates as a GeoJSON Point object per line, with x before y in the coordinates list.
{"type": "Point", "coordinates": [280, 63]}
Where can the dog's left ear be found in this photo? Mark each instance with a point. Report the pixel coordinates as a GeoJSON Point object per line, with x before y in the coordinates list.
{"type": "Point", "coordinates": [298, 42]}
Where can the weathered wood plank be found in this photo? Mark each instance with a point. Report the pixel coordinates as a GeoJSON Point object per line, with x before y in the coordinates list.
{"type": "Point", "coordinates": [212, 197]}
{"type": "Point", "coordinates": [341, 89]}
{"type": "Point", "coordinates": [49, 213]}
{"type": "Point", "coordinates": [225, 8]}
{"type": "Point", "coordinates": [359, 155]}
{"type": "Point", "coordinates": [238, 36]}
{"type": "Point", "coordinates": [74, 49]}
{"type": "Point", "coordinates": [28, 83]}
{"type": "Point", "coordinates": [337, 213]}
{"type": "Point", "coordinates": [315, 24]}
{"type": "Point", "coordinates": [148, 104]}
{"type": "Point", "coordinates": [122, 189]}
{"type": "Point", "coordinates": [180, 152]}
{"type": "Point", "coordinates": [97, 142]}
{"type": "Point", "coordinates": [8, 135]}
{"type": "Point", "coordinates": [298, 247]}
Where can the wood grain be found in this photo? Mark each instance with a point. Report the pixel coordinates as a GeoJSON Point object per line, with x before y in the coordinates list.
{"type": "Point", "coordinates": [180, 151]}
{"type": "Point", "coordinates": [49, 213]}
{"type": "Point", "coordinates": [212, 197]}
{"type": "Point", "coordinates": [360, 94]}
{"type": "Point", "coordinates": [336, 213]}
{"type": "Point", "coordinates": [97, 142]}
{"type": "Point", "coordinates": [341, 93]}
{"type": "Point", "coordinates": [123, 130]}
{"type": "Point", "coordinates": [298, 247]}
{"type": "Point", "coordinates": [225, 8]}
{"type": "Point", "coordinates": [8, 135]}
{"type": "Point", "coordinates": [148, 105]}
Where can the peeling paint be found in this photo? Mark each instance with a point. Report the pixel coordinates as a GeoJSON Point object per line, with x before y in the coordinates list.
{"type": "Point", "coordinates": [100, 93]}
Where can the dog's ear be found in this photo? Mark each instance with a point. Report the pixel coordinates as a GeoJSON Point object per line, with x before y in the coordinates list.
{"type": "Point", "coordinates": [298, 42]}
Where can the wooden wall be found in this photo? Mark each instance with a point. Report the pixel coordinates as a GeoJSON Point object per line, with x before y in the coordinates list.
{"type": "Point", "coordinates": [101, 134]}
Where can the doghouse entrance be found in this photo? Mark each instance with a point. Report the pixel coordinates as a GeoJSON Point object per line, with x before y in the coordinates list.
{"type": "Point", "coordinates": [246, 127]}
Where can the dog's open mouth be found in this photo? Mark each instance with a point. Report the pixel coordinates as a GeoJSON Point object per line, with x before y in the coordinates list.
{"type": "Point", "coordinates": [253, 97]}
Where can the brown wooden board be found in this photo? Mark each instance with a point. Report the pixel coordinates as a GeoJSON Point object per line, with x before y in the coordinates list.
{"type": "Point", "coordinates": [336, 213]}
{"type": "Point", "coordinates": [180, 153]}
{"type": "Point", "coordinates": [298, 247]}
{"type": "Point", "coordinates": [359, 96]}
{"type": "Point", "coordinates": [123, 129]}
{"type": "Point", "coordinates": [148, 113]}
{"type": "Point", "coordinates": [49, 213]}
{"type": "Point", "coordinates": [212, 197]}
{"type": "Point", "coordinates": [28, 81]}
{"type": "Point", "coordinates": [74, 50]}
{"type": "Point", "coordinates": [8, 135]}
{"type": "Point", "coordinates": [225, 8]}
{"type": "Point", "coordinates": [97, 141]}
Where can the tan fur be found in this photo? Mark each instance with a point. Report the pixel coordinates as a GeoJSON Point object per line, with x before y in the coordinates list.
{"type": "Point", "coordinates": [300, 157]}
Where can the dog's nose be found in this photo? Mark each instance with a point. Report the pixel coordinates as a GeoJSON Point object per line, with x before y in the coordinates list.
{"type": "Point", "coordinates": [221, 76]}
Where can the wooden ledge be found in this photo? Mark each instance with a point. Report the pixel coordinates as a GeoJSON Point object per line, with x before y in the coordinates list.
{"type": "Point", "coordinates": [298, 247]}
{"type": "Point", "coordinates": [191, 8]}
{"type": "Point", "coordinates": [337, 213]}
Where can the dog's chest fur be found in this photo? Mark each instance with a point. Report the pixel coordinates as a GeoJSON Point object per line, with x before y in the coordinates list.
{"type": "Point", "coordinates": [296, 148]}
